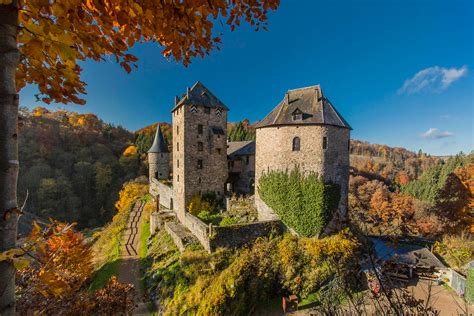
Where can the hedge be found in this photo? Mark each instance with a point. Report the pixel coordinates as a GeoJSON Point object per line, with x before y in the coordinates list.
{"type": "Point", "coordinates": [303, 202]}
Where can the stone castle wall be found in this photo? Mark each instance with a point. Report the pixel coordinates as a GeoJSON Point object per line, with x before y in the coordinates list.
{"type": "Point", "coordinates": [246, 174]}
{"type": "Point", "coordinates": [274, 152]}
{"type": "Point", "coordinates": [166, 193]}
{"type": "Point", "coordinates": [159, 166]}
{"type": "Point", "coordinates": [186, 153]}
{"type": "Point", "coordinates": [235, 236]}
{"type": "Point", "coordinates": [177, 124]}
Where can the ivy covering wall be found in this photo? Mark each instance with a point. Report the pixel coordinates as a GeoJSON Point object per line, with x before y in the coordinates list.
{"type": "Point", "coordinates": [469, 293]}
{"type": "Point", "coordinates": [302, 201]}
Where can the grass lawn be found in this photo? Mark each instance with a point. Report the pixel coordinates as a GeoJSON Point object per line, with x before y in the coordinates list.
{"type": "Point", "coordinates": [102, 276]}
{"type": "Point", "coordinates": [107, 251]}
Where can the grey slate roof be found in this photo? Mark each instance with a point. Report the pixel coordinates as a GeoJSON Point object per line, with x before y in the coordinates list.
{"type": "Point", "coordinates": [159, 143]}
{"type": "Point", "coordinates": [242, 148]}
{"type": "Point", "coordinates": [200, 95]}
{"type": "Point", "coordinates": [409, 254]}
{"type": "Point", "coordinates": [316, 108]}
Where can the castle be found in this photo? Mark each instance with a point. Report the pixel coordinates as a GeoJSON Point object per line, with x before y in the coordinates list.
{"type": "Point", "coordinates": [303, 130]}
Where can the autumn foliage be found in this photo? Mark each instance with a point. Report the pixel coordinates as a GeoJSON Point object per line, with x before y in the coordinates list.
{"type": "Point", "coordinates": [55, 35]}
{"type": "Point", "coordinates": [56, 280]}
{"type": "Point", "coordinates": [130, 151]}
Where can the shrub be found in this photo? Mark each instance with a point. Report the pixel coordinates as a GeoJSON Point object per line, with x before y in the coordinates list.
{"type": "Point", "coordinates": [206, 202]}
{"type": "Point", "coordinates": [303, 202]}
{"type": "Point", "coordinates": [456, 250]}
{"type": "Point", "coordinates": [227, 221]}
{"type": "Point", "coordinates": [230, 282]}
{"type": "Point", "coordinates": [209, 218]}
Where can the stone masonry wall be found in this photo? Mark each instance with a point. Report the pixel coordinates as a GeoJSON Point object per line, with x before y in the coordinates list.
{"type": "Point", "coordinates": [235, 236]}
{"type": "Point", "coordinates": [177, 118]}
{"type": "Point", "coordinates": [166, 193]}
{"type": "Point", "coordinates": [274, 152]}
{"type": "Point", "coordinates": [159, 165]}
{"type": "Point", "coordinates": [246, 174]}
{"type": "Point", "coordinates": [186, 154]}
{"type": "Point", "coordinates": [198, 228]}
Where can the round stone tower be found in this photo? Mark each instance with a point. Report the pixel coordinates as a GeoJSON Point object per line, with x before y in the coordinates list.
{"type": "Point", "coordinates": [304, 130]}
{"type": "Point", "coordinates": [159, 157]}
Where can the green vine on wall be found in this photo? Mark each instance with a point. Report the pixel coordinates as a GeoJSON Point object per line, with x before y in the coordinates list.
{"type": "Point", "coordinates": [302, 201]}
{"type": "Point", "coordinates": [469, 292]}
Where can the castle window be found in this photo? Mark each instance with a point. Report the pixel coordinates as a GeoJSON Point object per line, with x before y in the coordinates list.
{"type": "Point", "coordinates": [297, 115]}
{"type": "Point", "coordinates": [156, 175]}
{"type": "Point", "coordinates": [200, 146]}
{"type": "Point", "coordinates": [325, 142]}
{"type": "Point", "coordinates": [218, 150]}
{"type": "Point", "coordinates": [247, 160]}
{"type": "Point", "coordinates": [207, 110]}
{"type": "Point", "coordinates": [199, 164]}
{"type": "Point", "coordinates": [200, 129]}
{"type": "Point", "coordinates": [177, 146]}
{"type": "Point", "coordinates": [177, 130]}
{"type": "Point", "coordinates": [296, 144]}
{"type": "Point", "coordinates": [177, 163]}
{"type": "Point", "coordinates": [178, 178]}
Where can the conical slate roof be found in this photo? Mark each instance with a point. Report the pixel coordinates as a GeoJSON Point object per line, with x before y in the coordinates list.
{"type": "Point", "coordinates": [159, 144]}
{"type": "Point", "coordinates": [311, 106]}
{"type": "Point", "coordinates": [198, 94]}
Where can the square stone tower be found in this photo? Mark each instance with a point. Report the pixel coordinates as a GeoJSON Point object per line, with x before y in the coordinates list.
{"type": "Point", "coordinates": [199, 121]}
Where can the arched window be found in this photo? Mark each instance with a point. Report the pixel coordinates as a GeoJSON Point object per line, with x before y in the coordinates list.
{"type": "Point", "coordinates": [296, 144]}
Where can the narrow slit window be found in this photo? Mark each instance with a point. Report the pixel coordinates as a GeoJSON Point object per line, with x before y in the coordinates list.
{"type": "Point", "coordinates": [200, 129]}
{"type": "Point", "coordinates": [325, 142]}
{"type": "Point", "coordinates": [199, 164]}
{"type": "Point", "coordinates": [296, 144]}
{"type": "Point", "coordinates": [200, 146]}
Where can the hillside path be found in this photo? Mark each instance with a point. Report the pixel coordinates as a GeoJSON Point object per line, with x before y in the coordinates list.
{"type": "Point", "coordinates": [129, 269]}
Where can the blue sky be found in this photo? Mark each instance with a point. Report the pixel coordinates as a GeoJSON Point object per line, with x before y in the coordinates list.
{"type": "Point", "coordinates": [400, 72]}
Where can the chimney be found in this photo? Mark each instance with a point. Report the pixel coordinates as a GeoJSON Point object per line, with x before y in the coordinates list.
{"type": "Point", "coordinates": [288, 98]}
{"type": "Point", "coordinates": [176, 100]}
{"type": "Point", "coordinates": [187, 92]}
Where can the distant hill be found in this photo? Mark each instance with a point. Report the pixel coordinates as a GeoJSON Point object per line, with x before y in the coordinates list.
{"type": "Point", "coordinates": [393, 164]}
{"type": "Point", "coordinates": [72, 165]}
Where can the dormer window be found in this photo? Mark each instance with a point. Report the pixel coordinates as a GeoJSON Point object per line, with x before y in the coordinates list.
{"type": "Point", "coordinates": [207, 110]}
{"type": "Point", "coordinates": [297, 115]}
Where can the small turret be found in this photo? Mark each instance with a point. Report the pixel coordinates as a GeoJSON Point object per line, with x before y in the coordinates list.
{"type": "Point", "coordinates": [159, 157]}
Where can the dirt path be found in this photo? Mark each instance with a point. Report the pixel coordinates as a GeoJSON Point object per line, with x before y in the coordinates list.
{"type": "Point", "coordinates": [129, 270]}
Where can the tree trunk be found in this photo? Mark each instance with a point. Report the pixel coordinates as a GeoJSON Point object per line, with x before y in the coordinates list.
{"type": "Point", "coordinates": [9, 58]}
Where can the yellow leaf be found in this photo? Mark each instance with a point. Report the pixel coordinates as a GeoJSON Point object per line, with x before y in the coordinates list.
{"type": "Point", "coordinates": [21, 263]}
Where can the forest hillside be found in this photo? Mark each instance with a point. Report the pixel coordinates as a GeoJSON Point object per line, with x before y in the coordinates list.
{"type": "Point", "coordinates": [72, 166]}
